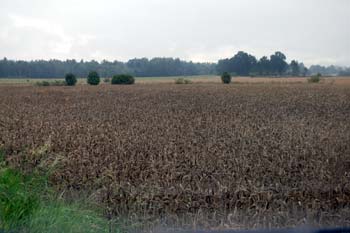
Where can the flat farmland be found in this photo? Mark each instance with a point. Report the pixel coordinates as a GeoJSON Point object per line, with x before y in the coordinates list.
{"type": "Point", "coordinates": [194, 79]}
{"type": "Point", "coordinates": [206, 155]}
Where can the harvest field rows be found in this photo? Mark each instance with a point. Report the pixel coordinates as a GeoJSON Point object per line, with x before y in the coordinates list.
{"type": "Point", "coordinates": [200, 155]}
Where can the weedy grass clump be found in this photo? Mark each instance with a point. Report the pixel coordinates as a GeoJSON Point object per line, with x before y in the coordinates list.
{"type": "Point", "coordinates": [123, 79]}
{"type": "Point", "coordinates": [315, 78]}
{"type": "Point", "coordinates": [93, 78]}
{"type": "Point", "coordinates": [17, 201]}
{"type": "Point", "coordinates": [183, 81]}
{"type": "Point", "coordinates": [50, 83]}
{"type": "Point", "coordinates": [28, 203]}
{"type": "Point", "coordinates": [42, 84]}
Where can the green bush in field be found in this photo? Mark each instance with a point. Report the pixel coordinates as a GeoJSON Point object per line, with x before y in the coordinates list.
{"type": "Point", "coordinates": [93, 78]}
{"type": "Point", "coordinates": [107, 80]}
{"type": "Point", "coordinates": [58, 83]}
{"type": "Point", "coordinates": [124, 79]}
{"type": "Point", "coordinates": [71, 80]}
{"type": "Point", "coordinates": [42, 84]}
{"type": "Point", "coordinates": [315, 78]}
{"type": "Point", "coordinates": [226, 78]}
{"type": "Point", "coordinates": [182, 81]}
{"type": "Point", "coordinates": [50, 83]}
{"type": "Point", "coordinates": [17, 204]}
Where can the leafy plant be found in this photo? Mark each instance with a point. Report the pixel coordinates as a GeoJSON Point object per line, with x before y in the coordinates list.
{"type": "Point", "coordinates": [71, 80]}
{"type": "Point", "coordinates": [50, 83]}
{"type": "Point", "coordinates": [226, 78]}
{"type": "Point", "coordinates": [315, 78]}
{"type": "Point", "coordinates": [93, 78]}
{"type": "Point", "coordinates": [123, 79]}
{"type": "Point", "coordinates": [182, 81]}
{"type": "Point", "coordinates": [58, 83]}
{"type": "Point", "coordinates": [26, 202]}
{"type": "Point", "coordinates": [16, 202]}
{"type": "Point", "coordinates": [42, 84]}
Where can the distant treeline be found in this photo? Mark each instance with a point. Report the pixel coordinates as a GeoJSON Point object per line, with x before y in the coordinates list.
{"type": "Point", "coordinates": [242, 64]}
{"type": "Point", "coordinates": [329, 70]}
{"type": "Point", "coordinates": [139, 67]}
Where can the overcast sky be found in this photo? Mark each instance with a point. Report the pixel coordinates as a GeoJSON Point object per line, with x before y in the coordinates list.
{"type": "Point", "coordinates": [312, 31]}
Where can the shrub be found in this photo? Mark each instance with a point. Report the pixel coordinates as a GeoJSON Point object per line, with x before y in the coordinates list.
{"type": "Point", "coordinates": [58, 83]}
{"type": "Point", "coordinates": [182, 81]}
{"type": "Point", "coordinates": [107, 80]}
{"type": "Point", "coordinates": [123, 79]}
{"type": "Point", "coordinates": [315, 78]}
{"type": "Point", "coordinates": [42, 84]}
{"type": "Point", "coordinates": [226, 78]}
{"type": "Point", "coordinates": [71, 80]}
{"type": "Point", "coordinates": [93, 78]}
{"type": "Point", "coordinates": [50, 83]}
{"type": "Point", "coordinates": [16, 203]}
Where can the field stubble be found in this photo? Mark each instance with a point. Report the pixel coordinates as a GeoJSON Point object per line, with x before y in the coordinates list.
{"type": "Point", "coordinates": [203, 155]}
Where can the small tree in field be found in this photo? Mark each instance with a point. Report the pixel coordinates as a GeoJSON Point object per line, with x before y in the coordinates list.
{"type": "Point", "coordinates": [71, 80]}
{"type": "Point", "coordinates": [226, 78]}
{"type": "Point", "coordinates": [93, 78]}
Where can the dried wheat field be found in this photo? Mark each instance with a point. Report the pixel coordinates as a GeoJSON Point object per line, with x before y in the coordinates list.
{"type": "Point", "coordinates": [210, 155]}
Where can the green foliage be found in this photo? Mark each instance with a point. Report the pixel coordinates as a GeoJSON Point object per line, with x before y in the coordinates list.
{"type": "Point", "coordinates": [59, 217]}
{"type": "Point", "coordinates": [226, 78]}
{"type": "Point", "coordinates": [106, 80]}
{"type": "Point", "coordinates": [26, 202]}
{"type": "Point", "coordinates": [50, 83]}
{"type": "Point", "coordinates": [123, 79]}
{"type": "Point", "coordinates": [42, 84]}
{"type": "Point", "coordinates": [2, 157]}
{"type": "Point", "coordinates": [71, 80]}
{"type": "Point", "coordinates": [17, 203]}
{"type": "Point", "coordinates": [315, 78]}
{"type": "Point", "coordinates": [143, 67]}
{"type": "Point", "coordinates": [93, 78]}
{"type": "Point", "coordinates": [182, 81]}
{"type": "Point", "coordinates": [244, 64]}
{"type": "Point", "coordinates": [295, 68]}
{"type": "Point", "coordinates": [58, 83]}
{"type": "Point", "coordinates": [278, 64]}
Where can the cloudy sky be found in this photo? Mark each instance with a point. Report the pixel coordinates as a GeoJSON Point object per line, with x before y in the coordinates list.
{"type": "Point", "coordinates": [313, 31]}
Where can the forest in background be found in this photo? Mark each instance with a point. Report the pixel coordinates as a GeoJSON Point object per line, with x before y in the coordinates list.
{"type": "Point", "coordinates": [242, 64]}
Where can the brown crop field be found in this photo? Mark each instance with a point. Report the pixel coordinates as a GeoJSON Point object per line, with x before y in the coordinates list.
{"type": "Point", "coordinates": [200, 155]}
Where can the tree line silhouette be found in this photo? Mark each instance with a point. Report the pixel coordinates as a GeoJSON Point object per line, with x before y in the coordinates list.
{"type": "Point", "coordinates": [242, 64]}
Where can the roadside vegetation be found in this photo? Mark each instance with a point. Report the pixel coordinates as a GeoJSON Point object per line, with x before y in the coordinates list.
{"type": "Point", "coordinates": [28, 204]}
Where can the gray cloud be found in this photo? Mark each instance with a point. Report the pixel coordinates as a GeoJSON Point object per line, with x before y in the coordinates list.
{"type": "Point", "coordinates": [313, 31]}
